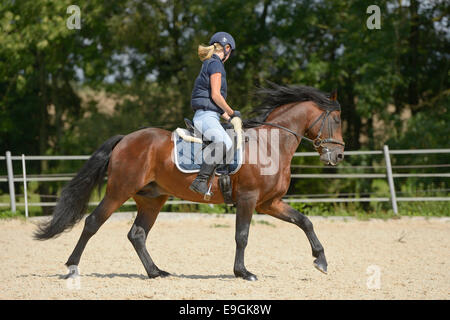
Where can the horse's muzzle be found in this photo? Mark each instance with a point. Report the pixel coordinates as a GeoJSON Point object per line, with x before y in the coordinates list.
{"type": "Point", "coordinates": [331, 156]}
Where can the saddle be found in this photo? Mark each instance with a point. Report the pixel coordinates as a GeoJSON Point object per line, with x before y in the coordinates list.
{"type": "Point", "coordinates": [193, 135]}
{"type": "Point", "coordinates": [188, 154]}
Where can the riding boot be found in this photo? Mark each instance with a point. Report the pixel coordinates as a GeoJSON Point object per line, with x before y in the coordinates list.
{"type": "Point", "coordinates": [200, 184]}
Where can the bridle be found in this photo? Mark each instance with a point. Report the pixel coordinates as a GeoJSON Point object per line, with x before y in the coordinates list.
{"type": "Point", "coordinates": [318, 141]}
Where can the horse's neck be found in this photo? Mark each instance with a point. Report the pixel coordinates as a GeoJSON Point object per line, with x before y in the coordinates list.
{"type": "Point", "coordinates": [293, 117]}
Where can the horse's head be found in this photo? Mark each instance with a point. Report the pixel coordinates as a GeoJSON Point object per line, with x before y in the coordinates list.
{"type": "Point", "coordinates": [320, 113]}
{"type": "Point", "coordinates": [324, 129]}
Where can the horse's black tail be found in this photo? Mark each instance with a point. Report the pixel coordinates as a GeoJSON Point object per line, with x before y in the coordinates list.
{"type": "Point", "coordinates": [74, 198]}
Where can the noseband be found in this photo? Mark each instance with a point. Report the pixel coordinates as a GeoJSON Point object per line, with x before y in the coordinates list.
{"type": "Point", "coordinates": [318, 141]}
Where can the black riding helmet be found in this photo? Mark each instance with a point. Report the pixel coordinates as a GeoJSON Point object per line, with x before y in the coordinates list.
{"type": "Point", "coordinates": [223, 38]}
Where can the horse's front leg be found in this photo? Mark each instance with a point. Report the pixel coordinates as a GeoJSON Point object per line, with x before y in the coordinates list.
{"type": "Point", "coordinates": [285, 212]}
{"type": "Point", "coordinates": [244, 211]}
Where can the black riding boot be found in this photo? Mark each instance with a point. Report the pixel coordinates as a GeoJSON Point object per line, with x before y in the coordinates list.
{"type": "Point", "coordinates": [200, 184]}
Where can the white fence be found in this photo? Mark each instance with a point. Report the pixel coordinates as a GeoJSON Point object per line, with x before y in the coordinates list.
{"type": "Point", "coordinates": [389, 175]}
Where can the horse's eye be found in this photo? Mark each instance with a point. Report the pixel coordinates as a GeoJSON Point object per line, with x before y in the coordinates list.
{"type": "Point", "coordinates": [337, 119]}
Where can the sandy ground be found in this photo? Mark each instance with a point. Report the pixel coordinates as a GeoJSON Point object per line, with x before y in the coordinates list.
{"type": "Point", "coordinates": [409, 257]}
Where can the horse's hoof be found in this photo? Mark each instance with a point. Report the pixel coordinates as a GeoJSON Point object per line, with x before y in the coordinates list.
{"type": "Point", "coordinates": [250, 277]}
{"type": "Point", "coordinates": [73, 272]}
{"type": "Point", "coordinates": [70, 275]}
{"type": "Point", "coordinates": [321, 266]}
{"type": "Point", "coordinates": [163, 274]}
{"type": "Point", "coordinates": [158, 273]}
{"type": "Point", "coordinates": [246, 276]}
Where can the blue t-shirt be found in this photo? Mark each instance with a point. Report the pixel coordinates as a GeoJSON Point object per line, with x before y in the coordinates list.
{"type": "Point", "coordinates": [201, 93]}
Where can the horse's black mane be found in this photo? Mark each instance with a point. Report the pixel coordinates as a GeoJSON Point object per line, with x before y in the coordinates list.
{"type": "Point", "coordinates": [276, 95]}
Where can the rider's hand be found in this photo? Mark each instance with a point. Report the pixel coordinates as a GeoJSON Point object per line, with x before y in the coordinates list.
{"type": "Point", "coordinates": [235, 114]}
{"type": "Point", "coordinates": [226, 117]}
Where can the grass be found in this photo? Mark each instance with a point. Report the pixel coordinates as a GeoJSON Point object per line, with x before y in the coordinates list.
{"type": "Point", "coordinates": [360, 211]}
{"type": "Point", "coordinates": [8, 214]}
{"type": "Point", "coordinates": [375, 210]}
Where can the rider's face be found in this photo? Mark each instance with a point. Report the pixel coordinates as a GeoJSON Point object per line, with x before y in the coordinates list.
{"type": "Point", "coordinates": [227, 48]}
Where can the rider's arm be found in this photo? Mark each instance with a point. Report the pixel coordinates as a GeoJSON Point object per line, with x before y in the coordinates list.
{"type": "Point", "coordinates": [216, 82]}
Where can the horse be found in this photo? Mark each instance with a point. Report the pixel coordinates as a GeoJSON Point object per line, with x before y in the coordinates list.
{"type": "Point", "coordinates": [140, 166]}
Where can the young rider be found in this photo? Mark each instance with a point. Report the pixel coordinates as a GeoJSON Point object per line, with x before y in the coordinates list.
{"type": "Point", "coordinates": [208, 102]}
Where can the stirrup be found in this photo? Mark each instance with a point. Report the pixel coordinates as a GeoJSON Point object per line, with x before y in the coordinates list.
{"type": "Point", "coordinates": [208, 193]}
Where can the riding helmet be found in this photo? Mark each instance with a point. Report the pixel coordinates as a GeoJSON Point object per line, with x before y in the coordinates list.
{"type": "Point", "coordinates": [223, 38]}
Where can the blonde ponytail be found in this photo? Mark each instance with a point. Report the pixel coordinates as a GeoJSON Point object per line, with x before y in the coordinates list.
{"type": "Point", "coordinates": [206, 52]}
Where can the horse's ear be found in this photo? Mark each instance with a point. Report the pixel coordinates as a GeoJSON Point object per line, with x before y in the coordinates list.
{"type": "Point", "coordinates": [333, 95]}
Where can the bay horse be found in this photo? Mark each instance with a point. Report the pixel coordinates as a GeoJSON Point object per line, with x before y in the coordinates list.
{"type": "Point", "coordinates": [140, 166]}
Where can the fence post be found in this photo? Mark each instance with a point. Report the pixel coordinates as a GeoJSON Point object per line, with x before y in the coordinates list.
{"type": "Point", "coordinates": [24, 172]}
{"type": "Point", "coordinates": [390, 178]}
{"type": "Point", "coordinates": [12, 193]}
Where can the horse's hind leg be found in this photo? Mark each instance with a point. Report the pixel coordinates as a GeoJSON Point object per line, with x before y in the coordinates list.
{"type": "Point", "coordinates": [285, 212]}
{"type": "Point", "coordinates": [91, 225]}
{"type": "Point", "coordinates": [148, 210]}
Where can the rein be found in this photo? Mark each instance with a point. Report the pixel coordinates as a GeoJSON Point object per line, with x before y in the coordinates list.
{"type": "Point", "coordinates": [317, 142]}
